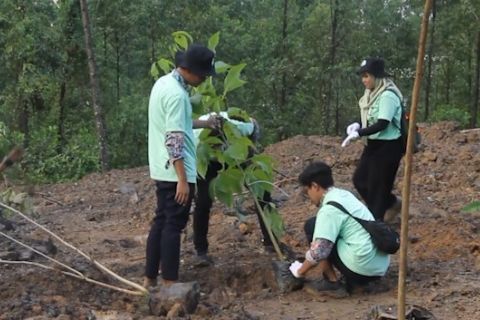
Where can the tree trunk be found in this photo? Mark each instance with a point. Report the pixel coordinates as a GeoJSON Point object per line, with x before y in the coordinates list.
{"type": "Point", "coordinates": [430, 53]}
{"type": "Point", "coordinates": [117, 66]}
{"type": "Point", "coordinates": [447, 81]}
{"type": "Point", "coordinates": [283, 89]}
{"type": "Point", "coordinates": [476, 88]}
{"type": "Point", "coordinates": [24, 121]}
{"type": "Point", "coordinates": [331, 64]}
{"type": "Point", "coordinates": [61, 118]}
{"type": "Point", "coordinates": [95, 89]}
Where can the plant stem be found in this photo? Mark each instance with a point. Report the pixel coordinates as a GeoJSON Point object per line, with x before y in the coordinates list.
{"type": "Point", "coordinates": [267, 226]}
{"type": "Point", "coordinates": [272, 184]}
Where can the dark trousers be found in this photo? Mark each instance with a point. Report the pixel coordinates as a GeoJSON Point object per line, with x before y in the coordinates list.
{"type": "Point", "coordinates": [203, 204]}
{"type": "Point", "coordinates": [352, 278]}
{"type": "Point", "coordinates": [375, 174]}
{"type": "Point", "coordinates": [163, 243]}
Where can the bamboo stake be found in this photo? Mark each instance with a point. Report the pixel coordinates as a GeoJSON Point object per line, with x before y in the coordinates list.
{"type": "Point", "coordinates": [96, 263]}
{"type": "Point", "coordinates": [408, 161]}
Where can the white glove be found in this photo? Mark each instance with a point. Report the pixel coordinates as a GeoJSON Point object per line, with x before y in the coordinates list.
{"type": "Point", "coordinates": [352, 136]}
{"type": "Point", "coordinates": [294, 267]}
{"type": "Point", "coordinates": [353, 127]}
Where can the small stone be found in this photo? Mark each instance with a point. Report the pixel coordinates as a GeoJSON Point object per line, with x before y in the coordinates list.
{"type": "Point", "coordinates": [244, 228]}
{"type": "Point", "coordinates": [165, 297]}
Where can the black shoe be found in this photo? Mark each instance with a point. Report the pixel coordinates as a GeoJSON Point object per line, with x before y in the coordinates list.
{"type": "Point", "coordinates": [324, 287]}
{"type": "Point", "coordinates": [202, 260]}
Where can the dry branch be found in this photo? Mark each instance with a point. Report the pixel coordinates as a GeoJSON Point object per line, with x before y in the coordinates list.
{"type": "Point", "coordinates": [96, 263]}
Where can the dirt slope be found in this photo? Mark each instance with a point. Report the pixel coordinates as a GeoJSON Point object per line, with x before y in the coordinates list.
{"type": "Point", "coordinates": [108, 217]}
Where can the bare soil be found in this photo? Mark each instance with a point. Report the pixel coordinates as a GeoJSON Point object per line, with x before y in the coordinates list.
{"type": "Point", "coordinates": [108, 216]}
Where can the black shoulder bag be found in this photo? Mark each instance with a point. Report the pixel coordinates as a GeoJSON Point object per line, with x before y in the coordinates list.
{"type": "Point", "coordinates": [383, 236]}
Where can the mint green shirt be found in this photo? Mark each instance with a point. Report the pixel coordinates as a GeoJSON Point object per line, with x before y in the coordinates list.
{"type": "Point", "coordinates": [169, 109]}
{"type": "Point", "coordinates": [354, 245]}
{"type": "Point", "coordinates": [387, 107]}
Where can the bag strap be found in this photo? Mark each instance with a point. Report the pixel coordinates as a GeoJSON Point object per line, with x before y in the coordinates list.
{"type": "Point", "coordinates": [340, 207]}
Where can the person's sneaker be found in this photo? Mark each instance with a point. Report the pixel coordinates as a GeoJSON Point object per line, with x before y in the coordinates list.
{"type": "Point", "coordinates": [202, 260]}
{"type": "Point", "coordinates": [326, 288]}
{"type": "Point", "coordinates": [392, 213]}
{"type": "Point", "coordinates": [374, 287]}
{"type": "Point", "coordinates": [149, 282]}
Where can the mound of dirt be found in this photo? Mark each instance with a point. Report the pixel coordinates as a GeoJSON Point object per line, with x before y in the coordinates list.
{"type": "Point", "coordinates": [108, 215]}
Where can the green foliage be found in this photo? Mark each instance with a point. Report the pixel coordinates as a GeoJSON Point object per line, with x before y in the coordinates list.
{"type": "Point", "coordinates": [451, 113]}
{"type": "Point", "coordinates": [472, 207]}
{"type": "Point", "coordinates": [301, 60]}
{"type": "Point", "coordinates": [274, 220]}
{"type": "Point", "coordinates": [44, 163]}
{"type": "Point", "coordinates": [21, 200]}
{"type": "Point", "coordinates": [231, 149]}
{"type": "Point", "coordinates": [128, 132]}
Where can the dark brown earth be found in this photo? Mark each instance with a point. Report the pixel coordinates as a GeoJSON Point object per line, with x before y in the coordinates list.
{"type": "Point", "coordinates": [107, 216]}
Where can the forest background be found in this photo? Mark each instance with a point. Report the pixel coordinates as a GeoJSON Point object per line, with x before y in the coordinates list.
{"type": "Point", "coordinates": [300, 56]}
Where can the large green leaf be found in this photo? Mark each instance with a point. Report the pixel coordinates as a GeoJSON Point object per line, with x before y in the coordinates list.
{"type": "Point", "coordinates": [232, 80]}
{"type": "Point", "coordinates": [154, 72]}
{"type": "Point", "coordinates": [265, 163]}
{"type": "Point", "coordinates": [182, 39]}
{"type": "Point", "coordinates": [203, 158]}
{"type": "Point", "coordinates": [227, 183]}
{"type": "Point", "coordinates": [237, 151]}
{"type": "Point", "coordinates": [213, 41]}
{"type": "Point", "coordinates": [166, 65]}
{"type": "Point", "coordinates": [231, 132]}
{"type": "Point", "coordinates": [258, 181]}
{"type": "Point", "coordinates": [220, 194]}
{"type": "Point", "coordinates": [238, 114]}
{"type": "Point", "coordinates": [274, 221]}
{"type": "Point", "coordinates": [232, 180]}
{"type": "Point", "coordinates": [206, 88]}
{"type": "Point", "coordinates": [221, 67]}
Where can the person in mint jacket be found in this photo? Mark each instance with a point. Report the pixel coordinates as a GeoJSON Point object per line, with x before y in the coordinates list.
{"type": "Point", "coordinates": [381, 112]}
{"type": "Point", "coordinates": [172, 158]}
{"type": "Point", "coordinates": [337, 240]}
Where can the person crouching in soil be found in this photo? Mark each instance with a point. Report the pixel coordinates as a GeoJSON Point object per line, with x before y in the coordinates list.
{"type": "Point", "coordinates": [336, 239]}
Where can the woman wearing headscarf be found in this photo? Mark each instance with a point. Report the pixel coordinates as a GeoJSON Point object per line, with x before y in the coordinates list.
{"type": "Point", "coordinates": [380, 111]}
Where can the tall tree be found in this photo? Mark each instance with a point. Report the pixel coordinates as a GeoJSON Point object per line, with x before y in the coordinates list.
{"type": "Point", "coordinates": [476, 87]}
{"type": "Point", "coordinates": [95, 89]}
{"type": "Point", "coordinates": [430, 54]}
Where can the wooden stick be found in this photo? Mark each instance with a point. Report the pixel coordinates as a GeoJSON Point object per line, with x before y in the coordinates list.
{"type": "Point", "coordinates": [40, 253]}
{"type": "Point", "coordinates": [96, 263]}
{"type": "Point", "coordinates": [469, 130]}
{"type": "Point", "coordinates": [50, 199]}
{"type": "Point", "coordinates": [408, 162]}
{"type": "Point", "coordinates": [82, 277]}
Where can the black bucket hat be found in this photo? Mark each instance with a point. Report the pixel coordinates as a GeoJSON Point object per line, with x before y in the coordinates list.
{"type": "Point", "coordinates": [198, 59]}
{"type": "Point", "coordinates": [374, 66]}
